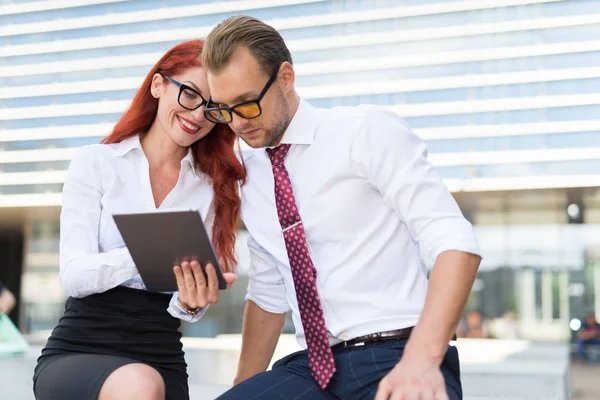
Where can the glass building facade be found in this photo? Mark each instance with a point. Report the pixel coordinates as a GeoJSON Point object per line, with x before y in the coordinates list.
{"type": "Point", "coordinates": [506, 93]}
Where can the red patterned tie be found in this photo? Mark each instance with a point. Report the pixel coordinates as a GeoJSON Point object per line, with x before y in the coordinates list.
{"type": "Point", "coordinates": [320, 356]}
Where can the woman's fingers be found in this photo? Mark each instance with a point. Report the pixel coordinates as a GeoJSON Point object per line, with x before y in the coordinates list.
{"type": "Point", "coordinates": [198, 274]}
{"type": "Point", "coordinates": [190, 285]}
{"type": "Point", "coordinates": [213, 284]}
{"type": "Point", "coordinates": [230, 277]}
{"type": "Point", "coordinates": [180, 283]}
{"type": "Point", "coordinates": [196, 288]}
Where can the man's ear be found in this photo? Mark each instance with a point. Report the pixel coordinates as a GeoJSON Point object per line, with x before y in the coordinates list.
{"type": "Point", "coordinates": [287, 76]}
{"type": "Point", "coordinates": [157, 85]}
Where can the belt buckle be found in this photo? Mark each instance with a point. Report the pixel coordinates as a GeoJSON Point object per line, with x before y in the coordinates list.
{"type": "Point", "coordinates": [347, 344]}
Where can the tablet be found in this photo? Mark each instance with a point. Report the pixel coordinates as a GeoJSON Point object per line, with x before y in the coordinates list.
{"type": "Point", "coordinates": [159, 240]}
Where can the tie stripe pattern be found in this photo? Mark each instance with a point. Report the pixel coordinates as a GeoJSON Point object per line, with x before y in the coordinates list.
{"type": "Point", "coordinates": [320, 356]}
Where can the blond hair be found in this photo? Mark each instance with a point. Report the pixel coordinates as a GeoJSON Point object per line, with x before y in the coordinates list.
{"type": "Point", "coordinates": [262, 41]}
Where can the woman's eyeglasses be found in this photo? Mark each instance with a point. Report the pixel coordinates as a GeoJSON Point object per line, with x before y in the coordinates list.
{"type": "Point", "coordinates": [188, 97]}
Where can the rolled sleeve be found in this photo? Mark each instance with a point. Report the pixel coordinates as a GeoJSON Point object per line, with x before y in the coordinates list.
{"type": "Point", "coordinates": [266, 286]}
{"type": "Point", "coordinates": [394, 160]}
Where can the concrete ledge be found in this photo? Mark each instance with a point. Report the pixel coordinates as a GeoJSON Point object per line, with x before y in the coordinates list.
{"type": "Point", "coordinates": [491, 369]}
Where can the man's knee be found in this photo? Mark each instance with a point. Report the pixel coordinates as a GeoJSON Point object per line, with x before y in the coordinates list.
{"type": "Point", "coordinates": [133, 381]}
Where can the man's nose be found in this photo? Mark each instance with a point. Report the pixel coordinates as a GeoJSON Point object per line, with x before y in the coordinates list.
{"type": "Point", "coordinates": [237, 123]}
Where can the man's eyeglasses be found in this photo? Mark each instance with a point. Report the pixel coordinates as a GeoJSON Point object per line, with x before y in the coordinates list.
{"type": "Point", "coordinates": [247, 109]}
{"type": "Point", "coordinates": [188, 98]}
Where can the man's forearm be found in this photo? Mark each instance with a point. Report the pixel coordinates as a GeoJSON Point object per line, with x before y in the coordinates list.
{"type": "Point", "coordinates": [260, 333]}
{"type": "Point", "coordinates": [449, 287]}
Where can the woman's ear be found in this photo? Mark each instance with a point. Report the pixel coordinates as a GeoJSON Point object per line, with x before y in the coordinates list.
{"type": "Point", "coordinates": [157, 86]}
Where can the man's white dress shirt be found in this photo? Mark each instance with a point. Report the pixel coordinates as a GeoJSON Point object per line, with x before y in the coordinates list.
{"type": "Point", "coordinates": [103, 180]}
{"type": "Point", "coordinates": [371, 205]}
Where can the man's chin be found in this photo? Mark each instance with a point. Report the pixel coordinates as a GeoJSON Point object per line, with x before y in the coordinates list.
{"type": "Point", "coordinates": [256, 143]}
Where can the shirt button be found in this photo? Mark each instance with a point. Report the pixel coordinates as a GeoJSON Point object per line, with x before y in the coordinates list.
{"type": "Point", "coordinates": [344, 336]}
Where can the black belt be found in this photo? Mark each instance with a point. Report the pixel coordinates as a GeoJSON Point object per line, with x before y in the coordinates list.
{"type": "Point", "coordinates": [376, 337]}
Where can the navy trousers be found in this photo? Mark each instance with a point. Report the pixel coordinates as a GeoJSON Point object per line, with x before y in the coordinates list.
{"type": "Point", "coordinates": [358, 372]}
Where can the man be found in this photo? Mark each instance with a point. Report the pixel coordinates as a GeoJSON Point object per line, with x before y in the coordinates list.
{"type": "Point", "coordinates": [338, 207]}
{"type": "Point", "coordinates": [588, 335]}
{"type": "Point", "coordinates": [7, 300]}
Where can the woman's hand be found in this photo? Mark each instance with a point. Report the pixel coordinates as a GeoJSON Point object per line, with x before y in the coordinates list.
{"type": "Point", "coordinates": [194, 291]}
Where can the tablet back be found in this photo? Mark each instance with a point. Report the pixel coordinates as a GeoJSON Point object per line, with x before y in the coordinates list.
{"type": "Point", "coordinates": [158, 241]}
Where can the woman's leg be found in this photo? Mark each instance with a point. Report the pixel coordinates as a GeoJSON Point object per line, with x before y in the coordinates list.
{"type": "Point", "coordinates": [133, 382]}
{"type": "Point", "coordinates": [96, 376]}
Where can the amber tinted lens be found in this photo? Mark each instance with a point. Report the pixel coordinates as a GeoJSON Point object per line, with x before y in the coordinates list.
{"type": "Point", "coordinates": [248, 110]}
{"type": "Point", "coordinates": [219, 116]}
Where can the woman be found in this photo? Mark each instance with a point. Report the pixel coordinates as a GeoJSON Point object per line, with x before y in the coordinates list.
{"type": "Point", "coordinates": [117, 340]}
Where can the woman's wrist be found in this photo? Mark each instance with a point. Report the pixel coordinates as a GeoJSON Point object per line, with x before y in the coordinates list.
{"type": "Point", "coordinates": [187, 309]}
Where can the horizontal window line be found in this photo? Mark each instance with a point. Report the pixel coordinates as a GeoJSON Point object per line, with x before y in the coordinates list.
{"type": "Point", "coordinates": [151, 15]}
{"type": "Point", "coordinates": [500, 130]}
{"type": "Point", "coordinates": [56, 132]}
{"type": "Point", "coordinates": [448, 82]}
{"type": "Point", "coordinates": [413, 35]}
{"type": "Point", "coordinates": [343, 41]}
{"type": "Point", "coordinates": [32, 178]}
{"type": "Point", "coordinates": [477, 106]}
{"type": "Point", "coordinates": [437, 159]}
{"type": "Point", "coordinates": [513, 156]}
{"type": "Point", "coordinates": [322, 67]}
{"type": "Point", "coordinates": [522, 183]}
{"type": "Point", "coordinates": [438, 133]}
{"type": "Point", "coordinates": [404, 110]}
{"type": "Point", "coordinates": [23, 8]}
{"type": "Point", "coordinates": [443, 58]}
{"type": "Point", "coordinates": [326, 91]}
{"type": "Point", "coordinates": [37, 155]}
{"type": "Point", "coordinates": [277, 23]}
{"type": "Point", "coordinates": [454, 185]}
{"type": "Point", "coordinates": [31, 200]}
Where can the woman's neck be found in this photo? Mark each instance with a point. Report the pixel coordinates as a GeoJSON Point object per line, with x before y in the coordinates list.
{"type": "Point", "coordinates": [160, 150]}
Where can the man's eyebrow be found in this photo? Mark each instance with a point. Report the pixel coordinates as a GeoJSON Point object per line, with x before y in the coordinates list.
{"type": "Point", "coordinates": [249, 95]}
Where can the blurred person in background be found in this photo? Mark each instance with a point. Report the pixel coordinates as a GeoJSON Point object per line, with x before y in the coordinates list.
{"type": "Point", "coordinates": [588, 335]}
{"type": "Point", "coordinates": [116, 340]}
{"type": "Point", "coordinates": [7, 300]}
{"type": "Point", "coordinates": [476, 328]}
{"type": "Point", "coordinates": [338, 204]}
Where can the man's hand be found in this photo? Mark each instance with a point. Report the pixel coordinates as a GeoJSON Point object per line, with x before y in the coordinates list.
{"type": "Point", "coordinates": [414, 379]}
{"type": "Point", "coordinates": [194, 291]}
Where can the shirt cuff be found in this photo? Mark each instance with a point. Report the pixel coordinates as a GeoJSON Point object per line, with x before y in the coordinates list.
{"type": "Point", "coordinates": [178, 312]}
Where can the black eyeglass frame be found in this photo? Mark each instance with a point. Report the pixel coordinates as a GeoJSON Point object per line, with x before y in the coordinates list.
{"type": "Point", "coordinates": [232, 109]}
{"type": "Point", "coordinates": [182, 87]}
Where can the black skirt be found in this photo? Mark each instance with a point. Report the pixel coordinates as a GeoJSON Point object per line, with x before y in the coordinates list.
{"type": "Point", "coordinates": [103, 332]}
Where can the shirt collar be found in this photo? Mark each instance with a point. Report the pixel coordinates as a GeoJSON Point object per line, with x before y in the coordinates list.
{"type": "Point", "coordinates": [302, 127]}
{"type": "Point", "coordinates": [133, 143]}
{"type": "Point", "coordinates": [125, 146]}
{"type": "Point", "coordinates": [191, 162]}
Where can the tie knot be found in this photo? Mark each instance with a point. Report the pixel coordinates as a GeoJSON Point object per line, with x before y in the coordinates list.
{"type": "Point", "coordinates": [277, 154]}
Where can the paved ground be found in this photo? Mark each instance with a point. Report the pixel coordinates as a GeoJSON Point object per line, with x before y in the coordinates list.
{"type": "Point", "coordinates": [585, 381]}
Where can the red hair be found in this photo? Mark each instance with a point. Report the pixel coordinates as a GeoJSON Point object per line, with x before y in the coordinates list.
{"type": "Point", "coordinates": [214, 154]}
